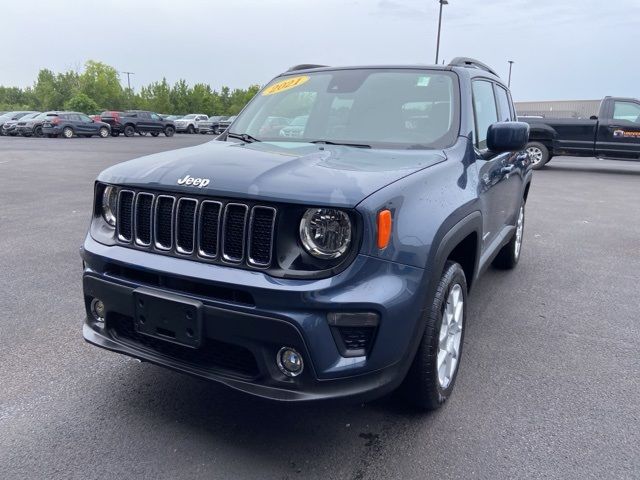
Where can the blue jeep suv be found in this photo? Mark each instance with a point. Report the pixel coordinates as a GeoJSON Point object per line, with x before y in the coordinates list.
{"type": "Point", "coordinates": [333, 263]}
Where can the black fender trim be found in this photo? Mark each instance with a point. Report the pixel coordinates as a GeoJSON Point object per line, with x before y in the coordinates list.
{"type": "Point", "coordinates": [452, 237]}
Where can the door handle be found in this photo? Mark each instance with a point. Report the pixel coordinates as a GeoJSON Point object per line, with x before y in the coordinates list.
{"type": "Point", "coordinates": [507, 169]}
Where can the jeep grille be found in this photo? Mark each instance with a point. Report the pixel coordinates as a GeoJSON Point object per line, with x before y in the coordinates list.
{"type": "Point", "coordinates": [205, 229]}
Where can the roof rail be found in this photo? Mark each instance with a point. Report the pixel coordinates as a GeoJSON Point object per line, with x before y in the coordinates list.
{"type": "Point", "coordinates": [304, 66]}
{"type": "Point", "coordinates": [471, 63]}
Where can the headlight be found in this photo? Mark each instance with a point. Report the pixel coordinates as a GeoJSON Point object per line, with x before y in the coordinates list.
{"type": "Point", "coordinates": [109, 205]}
{"type": "Point", "coordinates": [325, 232]}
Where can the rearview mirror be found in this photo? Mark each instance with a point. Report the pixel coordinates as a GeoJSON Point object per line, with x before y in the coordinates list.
{"type": "Point", "coordinates": [507, 136]}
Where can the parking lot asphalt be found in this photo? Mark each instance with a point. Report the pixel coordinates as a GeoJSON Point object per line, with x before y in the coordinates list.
{"type": "Point", "coordinates": [549, 385]}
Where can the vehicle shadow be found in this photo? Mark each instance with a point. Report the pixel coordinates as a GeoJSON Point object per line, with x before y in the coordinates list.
{"type": "Point", "coordinates": [253, 428]}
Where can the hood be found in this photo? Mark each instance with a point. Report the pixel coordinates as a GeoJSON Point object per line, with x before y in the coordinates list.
{"type": "Point", "coordinates": [278, 172]}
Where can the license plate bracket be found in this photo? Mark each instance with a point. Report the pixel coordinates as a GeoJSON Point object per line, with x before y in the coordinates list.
{"type": "Point", "coordinates": [168, 317]}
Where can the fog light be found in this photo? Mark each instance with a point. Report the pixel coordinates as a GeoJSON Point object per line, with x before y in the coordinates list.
{"type": "Point", "coordinates": [97, 310]}
{"type": "Point", "coordinates": [289, 362]}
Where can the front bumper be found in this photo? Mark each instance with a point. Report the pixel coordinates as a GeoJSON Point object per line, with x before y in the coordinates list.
{"type": "Point", "coordinates": [263, 315]}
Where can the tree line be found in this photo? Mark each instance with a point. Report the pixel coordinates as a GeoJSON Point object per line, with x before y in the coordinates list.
{"type": "Point", "coordinates": [98, 88]}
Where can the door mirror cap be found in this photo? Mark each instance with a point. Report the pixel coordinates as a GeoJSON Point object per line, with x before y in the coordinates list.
{"type": "Point", "coordinates": [507, 137]}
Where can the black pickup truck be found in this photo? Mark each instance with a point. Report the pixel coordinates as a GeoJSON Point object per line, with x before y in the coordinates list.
{"type": "Point", "coordinates": [137, 121]}
{"type": "Point", "coordinates": [614, 133]}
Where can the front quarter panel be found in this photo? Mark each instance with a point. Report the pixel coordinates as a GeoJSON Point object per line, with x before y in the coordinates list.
{"type": "Point", "coordinates": [424, 207]}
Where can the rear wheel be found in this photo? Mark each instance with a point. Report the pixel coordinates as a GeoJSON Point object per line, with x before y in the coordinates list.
{"type": "Point", "coordinates": [67, 132]}
{"type": "Point", "coordinates": [129, 131]}
{"type": "Point", "coordinates": [169, 131]}
{"type": "Point", "coordinates": [37, 132]}
{"type": "Point", "coordinates": [104, 132]}
{"type": "Point", "coordinates": [432, 375]}
{"type": "Point", "coordinates": [509, 255]}
{"type": "Point", "coordinates": [538, 153]}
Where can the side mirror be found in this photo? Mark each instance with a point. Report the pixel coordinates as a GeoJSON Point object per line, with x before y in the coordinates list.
{"type": "Point", "coordinates": [507, 136]}
{"type": "Point", "coordinates": [593, 117]}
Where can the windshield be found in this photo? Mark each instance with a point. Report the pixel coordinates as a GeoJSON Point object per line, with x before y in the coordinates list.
{"type": "Point", "coordinates": [29, 116]}
{"type": "Point", "coordinates": [385, 108]}
{"type": "Point", "coordinates": [189, 117]}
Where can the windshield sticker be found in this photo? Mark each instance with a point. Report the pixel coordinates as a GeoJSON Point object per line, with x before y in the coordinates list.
{"type": "Point", "coordinates": [423, 81]}
{"type": "Point", "coordinates": [626, 134]}
{"type": "Point", "coordinates": [287, 84]}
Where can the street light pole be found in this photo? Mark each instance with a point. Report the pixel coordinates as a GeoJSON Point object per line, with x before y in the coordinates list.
{"type": "Point", "coordinates": [442, 3]}
{"type": "Point", "coordinates": [511, 62]}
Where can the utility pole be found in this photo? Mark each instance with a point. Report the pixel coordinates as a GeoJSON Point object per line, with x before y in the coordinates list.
{"type": "Point", "coordinates": [511, 62]}
{"type": "Point", "coordinates": [442, 3]}
{"type": "Point", "coordinates": [128, 74]}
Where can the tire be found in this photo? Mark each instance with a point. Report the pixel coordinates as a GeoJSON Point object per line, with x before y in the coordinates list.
{"type": "Point", "coordinates": [103, 132]}
{"type": "Point", "coordinates": [142, 134]}
{"type": "Point", "coordinates": [129, 131]}
{"type": "Point", "coordinates": [191, 130]}
{"type": "Point", "coordinates": [114, 134]}
{"type": "Point", "coordinates": [155, 134]}
{"type": "Point", "coordinates": [67, 132]}
{"type": "Point", "coordinates": [427, 385]}
{"type": "Point", "coordinates": [169, 131]}
{"type": "Point", "coordinates": [509, 255]}
{"type": "Point", "coordinates": [538, 153]}
{"type": "Point", "coordinates": [37, 132]}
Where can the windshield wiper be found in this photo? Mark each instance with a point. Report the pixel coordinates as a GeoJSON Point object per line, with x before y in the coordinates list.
{"type": "Point", "coordinates": [245, 137]}
{"type": "Point", "coordinates": [328, 142]}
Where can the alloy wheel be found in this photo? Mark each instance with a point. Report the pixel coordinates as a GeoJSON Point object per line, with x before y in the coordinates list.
{"type": "Point", "coordinates": [450, 336]}
{"type": "Point", "coordinates": [519, 232]}
{"type": "Point", "coordinates": [535, 154]}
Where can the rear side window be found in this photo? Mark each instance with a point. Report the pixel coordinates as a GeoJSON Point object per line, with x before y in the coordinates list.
{"type": "Point", "coordinates": [627, 111]}
{"type": "Point", "coordinates": [484, 108]}
{"type": "Point", "coordinates": [504, 107]}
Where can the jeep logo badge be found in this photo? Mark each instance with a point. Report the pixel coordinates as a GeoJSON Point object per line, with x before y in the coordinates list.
{"type": "Point", "coordinates": [196, 182]}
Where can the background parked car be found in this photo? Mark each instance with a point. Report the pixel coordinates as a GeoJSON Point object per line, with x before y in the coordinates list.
{"type": "Point", "coordinates": [295, 128]}
{"type": "Point", "coordinates": [211, 124]}
{"type": "Point", "coordinates": [17, 115]}
{"type": "Point", "coordinates": [32, 127]}
{"type": "Point", "coordinates": [224, 124]}
{"type": "Point", "coordinates": [138, 121]}
{"type": "Point", "coordinates": [189, 123]}
{"type": "Point", "coordinates": [11, 127]}
{"type": "Point", "coordinates": [68, 124]}
{"type": "Point", "coordinates": [272, 126]}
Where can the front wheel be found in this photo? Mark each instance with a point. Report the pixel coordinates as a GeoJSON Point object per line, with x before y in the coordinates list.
{"type": "Point", "coordinates": [538, 153]}
{"type": "Point", "coordinates": [104, 132]}
{"type": "Point", "coordinates": [67, 132]}
{"type": "Point", "coordinates": [509, 255]}
{"type": "Point", "coordinates": [191, 130]}
{"type": "Point", "coordinates": [169, 131]}
{"type": "Point", "coordinates": [432, 375]}
{"type": "Point", "coordinates": [129, 131]}
{"type": "Point", "coordinates": [37, 132]}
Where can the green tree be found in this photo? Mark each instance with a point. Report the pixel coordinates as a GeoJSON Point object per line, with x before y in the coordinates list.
{"type": "Point", "coordinates": [82, 103]}
{"type": "Point", "coordinates": [101, 82]}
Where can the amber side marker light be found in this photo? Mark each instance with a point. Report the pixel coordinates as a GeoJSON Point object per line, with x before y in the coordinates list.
{"type": "Point", "coordinates": [384, 228]}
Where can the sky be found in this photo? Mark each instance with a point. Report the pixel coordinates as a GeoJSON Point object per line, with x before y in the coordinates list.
{"type": "Point", "coordinates": [562, 49]}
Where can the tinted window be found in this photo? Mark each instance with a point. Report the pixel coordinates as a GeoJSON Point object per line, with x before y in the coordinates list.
{"type": "Point", "coordinates": [627, 111]}
{"type": "Point", "coordinates": [85, 118]}
{"type": "Point", "coordinates": [368, 106]}
{"type": "Point", "coordinates": [155, 116]}
{"type": "Point", "coordinates": [484, 106]}
{"type": "Point", "coordinates": [504, 113]}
